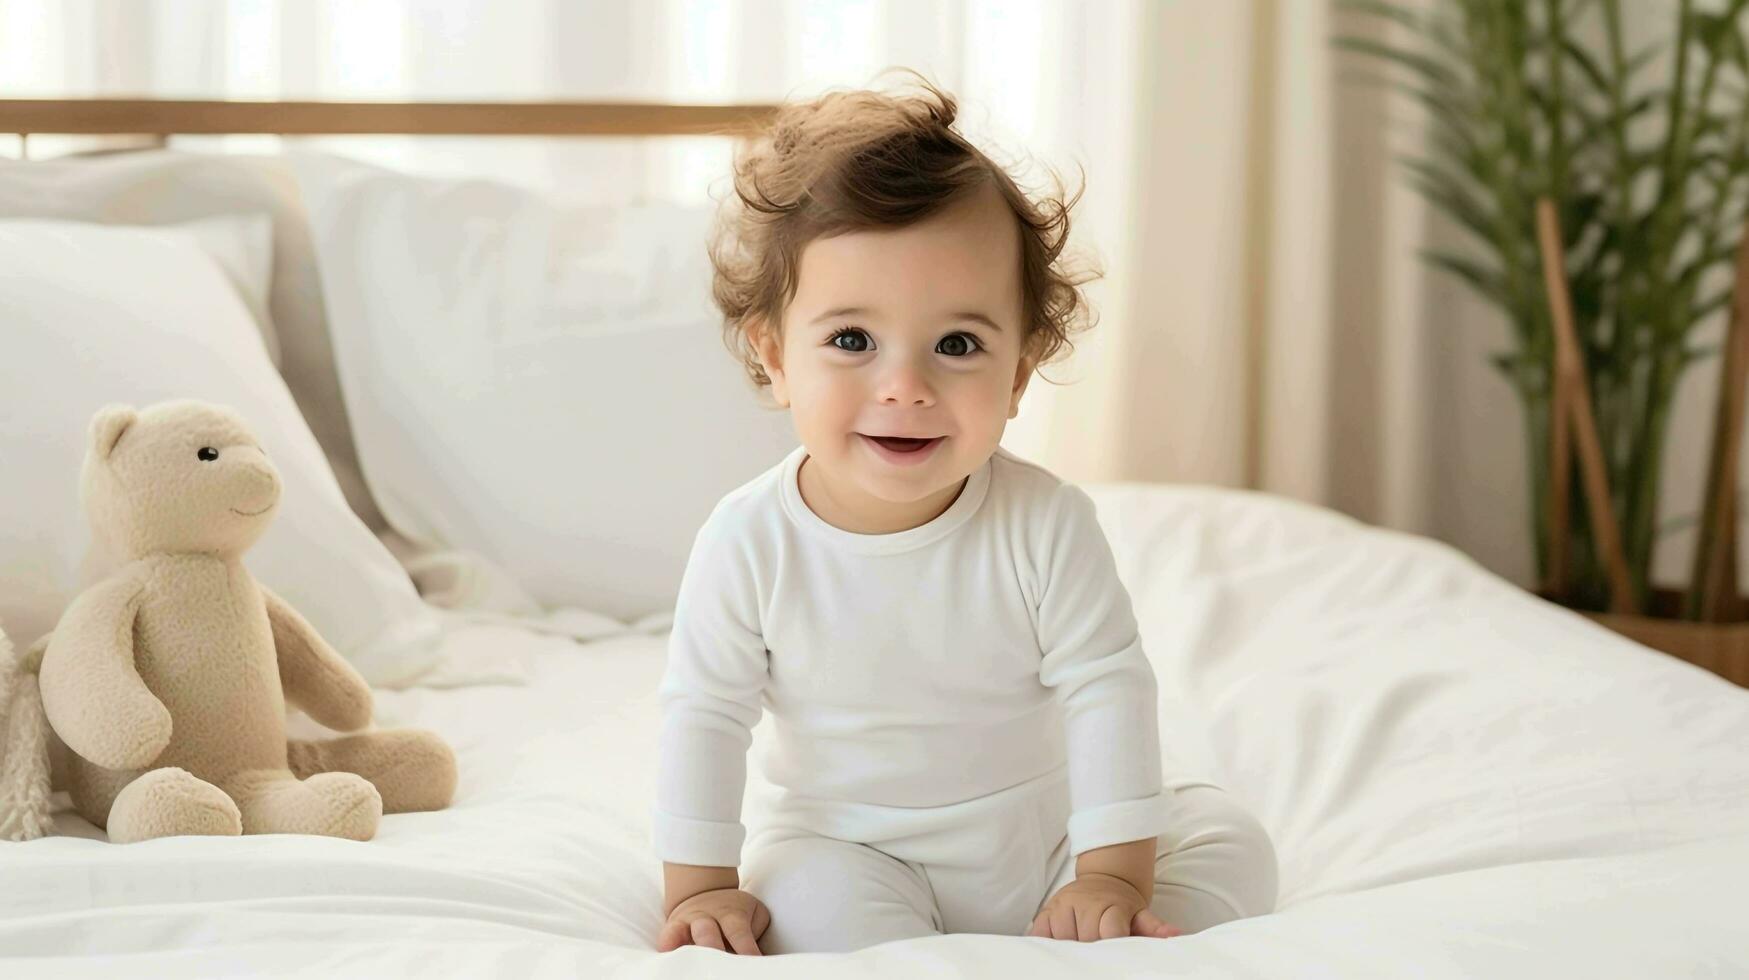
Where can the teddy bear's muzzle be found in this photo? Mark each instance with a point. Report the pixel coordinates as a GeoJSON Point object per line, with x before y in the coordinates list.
{"type": "Point", "coordinates": [258, 490]}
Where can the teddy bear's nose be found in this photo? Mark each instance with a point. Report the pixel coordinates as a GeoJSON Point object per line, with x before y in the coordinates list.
{"type": "Point", "coordinates": [260, 486]}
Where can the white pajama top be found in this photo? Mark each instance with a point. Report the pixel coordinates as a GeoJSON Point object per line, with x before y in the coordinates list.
{"type": "Point", "coordinates": [923, 668]}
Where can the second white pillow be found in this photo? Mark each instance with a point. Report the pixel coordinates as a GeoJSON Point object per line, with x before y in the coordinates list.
{"type": "Point", "coordinates": [545, 386]}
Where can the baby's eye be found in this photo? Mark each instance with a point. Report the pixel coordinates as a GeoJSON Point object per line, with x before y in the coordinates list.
{"type": "Point", "coordinates": [957, 345]}
{"type": "Point", "coordinates": [851, 339]}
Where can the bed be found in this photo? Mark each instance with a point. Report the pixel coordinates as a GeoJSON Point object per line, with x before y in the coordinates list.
{"type": "Point", "coordinates": [1460, 779]}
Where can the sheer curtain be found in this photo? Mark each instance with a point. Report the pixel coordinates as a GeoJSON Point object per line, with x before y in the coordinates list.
{"type": "Point", "coordinates": [1264, 320]}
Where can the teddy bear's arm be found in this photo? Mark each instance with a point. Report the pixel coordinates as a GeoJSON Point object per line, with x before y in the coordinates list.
{"type": "Point", "coordinates": [315, 678]}
{"type": "Point", "coordinates": [91, 693]}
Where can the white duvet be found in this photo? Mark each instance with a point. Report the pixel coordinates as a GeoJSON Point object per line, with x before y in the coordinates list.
{"type": "Point", "coordinates": [1460, 781]}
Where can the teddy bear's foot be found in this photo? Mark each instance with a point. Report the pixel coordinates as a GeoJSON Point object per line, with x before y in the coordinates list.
{"type": "Point", "coordinates": [94, 788]}
{"type": "Point", "coordinates": [413, 770]}
{"type": "Point", "coordinates": [171, 802]}
{"type": "Point", "coordinates": [332, 804]}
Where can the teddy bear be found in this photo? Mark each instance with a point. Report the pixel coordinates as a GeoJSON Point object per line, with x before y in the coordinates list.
{"type": "Point", "coordinates": [168, 681]}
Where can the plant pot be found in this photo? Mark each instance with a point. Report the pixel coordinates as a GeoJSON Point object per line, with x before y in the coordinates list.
{"type": "Point", "coordinates": [1722, 648]}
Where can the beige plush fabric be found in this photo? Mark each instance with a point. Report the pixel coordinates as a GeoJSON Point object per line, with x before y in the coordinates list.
{"type": "Point", "coordinates": [24, 770]}
{"type": "Point", "coordinates": [169, 680]}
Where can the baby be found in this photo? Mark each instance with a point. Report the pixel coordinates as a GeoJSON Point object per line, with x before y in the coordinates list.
{"type": "Point", "coordinates": [965, 734]}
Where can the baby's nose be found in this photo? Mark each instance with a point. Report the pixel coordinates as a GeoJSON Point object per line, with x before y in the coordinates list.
{"type": "Point", "coordinates": [906, 386]}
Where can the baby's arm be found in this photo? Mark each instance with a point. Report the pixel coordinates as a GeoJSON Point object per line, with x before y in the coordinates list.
{"type": "Point", "coordinates": [711, 700]}
{"type": "Point", "coordinates": [1094, 662]}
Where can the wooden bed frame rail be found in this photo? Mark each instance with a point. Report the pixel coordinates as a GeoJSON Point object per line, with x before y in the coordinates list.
{"type": "Point", "coordinates": [163, 118]}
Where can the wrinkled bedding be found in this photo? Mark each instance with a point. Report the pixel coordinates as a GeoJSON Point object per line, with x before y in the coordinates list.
{"type": "Point", "coordinates": [1460, 780]}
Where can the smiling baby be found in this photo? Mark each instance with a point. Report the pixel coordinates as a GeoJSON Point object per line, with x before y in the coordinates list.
{"type": "Point", "coordinates": [965, 733]}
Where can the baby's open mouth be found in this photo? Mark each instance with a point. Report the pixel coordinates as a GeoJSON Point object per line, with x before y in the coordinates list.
{"type": "Point", "coordinates": [903, 444]}
{"type": "Point", "coordinates": [903, 450]}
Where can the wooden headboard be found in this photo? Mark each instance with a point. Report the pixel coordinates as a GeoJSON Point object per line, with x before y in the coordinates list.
{"type": "Point", "coordinates": [163, 118]}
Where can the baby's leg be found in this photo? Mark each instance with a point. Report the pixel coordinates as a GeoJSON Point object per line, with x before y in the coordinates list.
{"type": "Point", "coordinates": [1215, 862]}
{"type": "Point", "coordinates": [830, 896]}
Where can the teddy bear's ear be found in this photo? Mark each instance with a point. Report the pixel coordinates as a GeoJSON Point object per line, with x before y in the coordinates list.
{"type": "Point", "coordinates": [107, 427]}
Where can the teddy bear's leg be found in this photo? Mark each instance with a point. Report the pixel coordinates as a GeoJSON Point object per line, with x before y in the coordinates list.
{"type": "Point", "coordinates": [413, 770]}
{"type": "Point", "coordinates": [332, 804]}
{"type": "Point", "coordinates": [171, 802]}
{"type": "Point", "coordinates": [94, 788]}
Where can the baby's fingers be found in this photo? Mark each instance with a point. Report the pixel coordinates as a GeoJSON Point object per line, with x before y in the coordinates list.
{"type": "Point", "coordinates": [1063, 922]}
{"type": "Point", "coordinates": [706, 933]}
{"type": "Point", "coordinates": [1041, 926]}
{"type": "Point", "coordinates": [1113, 923]}
{"type": "Point", "coordinates": [674, 935]}
{"type": "Point", "coordinates": [740, 934]}
{"type": "Point", "coordinates": [1146, 923]}
{"type": "Point", "coordinates": [1087, 923]}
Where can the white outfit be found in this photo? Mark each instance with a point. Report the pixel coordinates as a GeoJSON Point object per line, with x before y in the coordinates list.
{"type": "Point", "coordinates": [1213, 864]}
{"type": "Point", "coordinates": [958, 710]}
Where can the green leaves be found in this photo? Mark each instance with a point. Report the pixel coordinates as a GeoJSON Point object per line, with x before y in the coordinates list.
{"type": "Point", "coordinates": [1721, 34]}
{"type": "Point", "coordinates": [1483, 279]}
{"type": "Point", "coordinates": [1650, 176]}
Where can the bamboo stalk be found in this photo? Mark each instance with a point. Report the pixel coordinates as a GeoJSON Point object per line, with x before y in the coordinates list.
{"type": "Point", "coordinates": [1713, 589]}
{"type": "Point", "coordinates": [1730, 605]}
{"type": "Point", "coordinates": [1725, 565]}
{"type": "Point", "coordinates": [1570, 363]}
{"type": "Point", "coordinates": [1560, 530]}
{"type": "Point", "coordinates": [1695, 602]}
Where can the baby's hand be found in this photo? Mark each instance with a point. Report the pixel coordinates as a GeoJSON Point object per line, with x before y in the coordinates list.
{"type": "Point", "coordinates": [1097, 906]}
{"type": "Point", "coordinates": [710, 918]}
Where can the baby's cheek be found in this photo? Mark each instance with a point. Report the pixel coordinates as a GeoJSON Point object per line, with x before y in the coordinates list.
{"type": "Point", "coordinates": [992, 411]}
{"type": "Point", "coordinates": [831, 398]}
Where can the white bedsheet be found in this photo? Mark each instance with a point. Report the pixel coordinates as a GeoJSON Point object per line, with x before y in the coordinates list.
{"type": "Point", "coordinates": [1461, 781]}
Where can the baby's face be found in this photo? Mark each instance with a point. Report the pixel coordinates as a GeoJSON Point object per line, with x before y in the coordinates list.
{"type": "Point", "coordinates": [901, 358]}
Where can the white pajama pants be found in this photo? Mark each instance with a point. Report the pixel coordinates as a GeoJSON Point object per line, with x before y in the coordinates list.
{"type": "Point", "coordinates": [841, 876]}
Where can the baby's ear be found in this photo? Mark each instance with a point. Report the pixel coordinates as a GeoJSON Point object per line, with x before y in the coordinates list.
{"type": "Point", "coordinates": [108, 426]}
{"type": "Point", "coordinates": [768, 347]}
{"type": "Point", "coordinates": [1022, 377]}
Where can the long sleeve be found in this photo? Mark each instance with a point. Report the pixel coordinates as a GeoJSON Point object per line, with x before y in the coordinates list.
{"type": "Point", "coordinates": [710, 695]}
{"type": "Point", "coordinates": [1094, 663]}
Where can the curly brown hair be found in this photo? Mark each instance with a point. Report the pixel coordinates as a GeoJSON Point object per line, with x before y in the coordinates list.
{"type": "Point", "coordinates": [859, 160]}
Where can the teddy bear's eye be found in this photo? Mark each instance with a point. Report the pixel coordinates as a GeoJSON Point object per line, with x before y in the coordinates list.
{"type": "Point", "coordinates": [207, 454]}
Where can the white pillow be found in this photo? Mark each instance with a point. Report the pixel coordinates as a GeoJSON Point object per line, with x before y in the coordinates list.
{"type": "Point", "coordinates": [543, 385]}
{"type": "Point", "coordinates": [241, 245]}
{"type": "Point", "coordinates": [94, 314]}
{"type": "Point", "coordinates": [155, 187]}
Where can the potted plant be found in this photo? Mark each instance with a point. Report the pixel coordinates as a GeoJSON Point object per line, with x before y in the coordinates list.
{"type": "Point", "coordinates": [1605, 206]}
